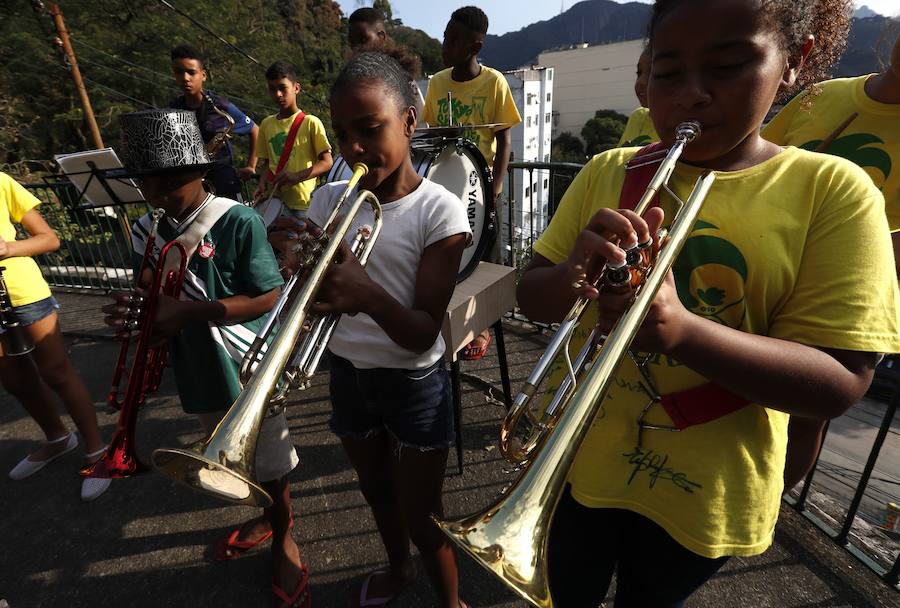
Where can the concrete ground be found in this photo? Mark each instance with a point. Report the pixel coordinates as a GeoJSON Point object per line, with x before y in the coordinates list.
{"type": "Point", "coordinates": [146, 542]}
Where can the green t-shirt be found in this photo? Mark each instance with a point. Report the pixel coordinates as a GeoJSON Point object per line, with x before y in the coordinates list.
{"type": "Point", "coordinates": [234, 258]}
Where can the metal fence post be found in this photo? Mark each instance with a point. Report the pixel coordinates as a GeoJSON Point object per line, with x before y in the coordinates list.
{"type": "Point", "coordinates": [842, 536]}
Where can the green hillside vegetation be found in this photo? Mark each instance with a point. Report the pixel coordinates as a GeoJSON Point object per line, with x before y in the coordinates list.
{"type": "Point", "coordinates": [123, 48]}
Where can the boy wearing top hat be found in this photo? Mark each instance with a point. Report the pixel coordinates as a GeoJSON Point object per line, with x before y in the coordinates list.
{"type": "Point", "coordinates": [231, 281]}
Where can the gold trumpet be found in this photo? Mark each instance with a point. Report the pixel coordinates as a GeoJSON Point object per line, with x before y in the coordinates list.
{"type": "Point", "coordinates": [510, 537]}
{"type": "Point", "coordinates": [224, 464]}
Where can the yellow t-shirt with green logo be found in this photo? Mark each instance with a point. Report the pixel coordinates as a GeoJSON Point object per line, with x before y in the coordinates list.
{"type": "Point", "coordinates": [482, 100]}
{"type": "Point", "coordinates": [639, 131]}
{"type": "Point", "coordinates": [872, 140]}
{"type": "Point", "coordinates": [23, 278]}
{"type": "Point", "coordinates": [311, 141]}
{"type": "Point", "coordinates": [775, 252]}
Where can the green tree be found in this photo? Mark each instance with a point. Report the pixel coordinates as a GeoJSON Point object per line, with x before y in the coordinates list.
{"type": "Point", "coordinates": [427, 48]}
{"type": "Point", "coordinates": [603, 131]}
{"type": "Point", "coordinates": [567, 148]}
{"type": "Point", "coordinates": [123, 52]}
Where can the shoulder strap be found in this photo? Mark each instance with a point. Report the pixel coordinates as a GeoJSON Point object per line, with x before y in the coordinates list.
{"type": "Point", "coordinates": [706, 402]}
{"type": "Point", "coordinates": [638, 173]}
{"type": "Point", "coordinates": [288, 145]}
{"type": "Point", "coordinates": [191, 236]}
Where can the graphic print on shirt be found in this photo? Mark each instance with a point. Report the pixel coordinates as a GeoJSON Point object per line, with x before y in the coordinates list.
{"type": "Point", "coordinates": [277, 142]}
{"type": "Point", "coordinates": [469, 114]}
{"type": "Point", "coordinates": [710, 276]}
{"type": "Point", "coordinates": [638, 142]}
{"type": "Point", "coordinates": [859, 148]}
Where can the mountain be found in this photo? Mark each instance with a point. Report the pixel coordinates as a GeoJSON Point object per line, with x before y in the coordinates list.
{"type": "Point", "coordinates": [863, 12]}
{"type": "Point", "coordinates": [604, 21]}
{"type": "Point", "coordinates": [868, 46]}
{"type": "Point", "coordinates": [591, 21]}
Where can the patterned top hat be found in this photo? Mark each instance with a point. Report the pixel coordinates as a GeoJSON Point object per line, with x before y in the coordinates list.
{"type": "Point", "coordinates": [162, 141]}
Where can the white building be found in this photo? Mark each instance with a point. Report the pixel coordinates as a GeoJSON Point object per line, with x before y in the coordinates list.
{"type": "Point", "coordinates": [591, 78]}
{"type": "Point", "coordinates": [532, 90]}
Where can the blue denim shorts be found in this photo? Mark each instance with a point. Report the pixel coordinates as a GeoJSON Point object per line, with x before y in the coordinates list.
{"type": "Point", "coordinates": [414, 405]}
{"type": "Point", "coordinates": [30, 314]}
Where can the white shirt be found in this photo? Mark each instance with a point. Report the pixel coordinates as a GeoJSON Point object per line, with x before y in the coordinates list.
{"type": "Point", "coordinates": [421, 218]}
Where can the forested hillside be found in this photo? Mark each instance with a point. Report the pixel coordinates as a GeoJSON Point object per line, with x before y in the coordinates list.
{"type": "Point", "coordinates": [123, 48]}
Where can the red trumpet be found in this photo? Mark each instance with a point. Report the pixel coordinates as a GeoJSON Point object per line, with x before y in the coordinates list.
{"type": "Point", "coordinates": [148, 362]}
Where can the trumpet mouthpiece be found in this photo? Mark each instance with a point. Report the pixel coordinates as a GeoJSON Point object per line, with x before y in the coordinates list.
{"type": "Point", "coordinates": [688, 131]}
{"type": "Point", "coordinates": [360, 168]}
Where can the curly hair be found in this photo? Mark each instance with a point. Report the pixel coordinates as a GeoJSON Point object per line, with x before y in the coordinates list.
{"type": "Point", "coordinates": [793, 21]}
{"type": "Point", "coordinates": [378, 64]}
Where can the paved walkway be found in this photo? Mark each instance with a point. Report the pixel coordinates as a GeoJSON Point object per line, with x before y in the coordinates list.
{"type": "Point", "coordinates": [146, 542]}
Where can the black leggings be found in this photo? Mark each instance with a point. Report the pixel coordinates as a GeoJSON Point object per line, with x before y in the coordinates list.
{"type": "Point", "coordinates": [652, 569]}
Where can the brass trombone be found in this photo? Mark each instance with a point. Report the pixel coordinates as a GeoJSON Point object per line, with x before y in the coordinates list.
{"type": "Point", "coordinates": [224, 464]}
{"type": "Point", "coordinates": [510, 537]}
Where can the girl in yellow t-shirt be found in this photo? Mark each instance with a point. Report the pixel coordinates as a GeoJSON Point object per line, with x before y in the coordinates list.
{"type": "Point", "coordinates": [771, 298]}
{"type": "Point", "coordinates": [35, 377]}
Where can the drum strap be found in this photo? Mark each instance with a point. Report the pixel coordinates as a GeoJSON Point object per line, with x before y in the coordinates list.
{"type": "Point", "coordinates": [288, 146]}
{"type": "Point", "coordinates": [706, 402]}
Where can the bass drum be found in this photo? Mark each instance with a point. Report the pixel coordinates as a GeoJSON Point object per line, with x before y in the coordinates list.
{"type": "Point", "coordinates": [458, 166]}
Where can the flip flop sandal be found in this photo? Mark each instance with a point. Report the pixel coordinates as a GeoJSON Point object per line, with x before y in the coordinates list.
{"type": "Point", "coordinates": [301, 597]}
{"type": "Point", "coordinates": [365, 601]}
{"type": "Point", "coordinates": [232, 548]}
{"type": "Point", "coordinates": [475, 353]}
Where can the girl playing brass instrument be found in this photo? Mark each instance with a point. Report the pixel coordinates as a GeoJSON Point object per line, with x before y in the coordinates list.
{"type": "Point", "coordinates": [389, 389]}
{"type": "Point", "coordinates": [772, 307]}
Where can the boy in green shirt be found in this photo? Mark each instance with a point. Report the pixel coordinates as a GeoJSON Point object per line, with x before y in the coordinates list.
{"type": "Point", "coordinates": [231, 281]}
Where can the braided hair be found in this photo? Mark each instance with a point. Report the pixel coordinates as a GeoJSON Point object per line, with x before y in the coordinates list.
{"type": "Point", "coordinates": [793, 21]}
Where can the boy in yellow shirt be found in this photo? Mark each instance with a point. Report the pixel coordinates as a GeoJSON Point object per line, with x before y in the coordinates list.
{"type": "Point", "coordinates": [308, 152]}
{"type": "Point", "coordinates": [480, 95]}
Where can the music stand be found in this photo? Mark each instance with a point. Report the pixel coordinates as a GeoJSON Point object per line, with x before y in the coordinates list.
{"type": "Point", "coordinates": [89, 171]}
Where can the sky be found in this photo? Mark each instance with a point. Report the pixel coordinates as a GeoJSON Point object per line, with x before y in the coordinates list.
{"type": "Point", "coordinates": [510, 15]}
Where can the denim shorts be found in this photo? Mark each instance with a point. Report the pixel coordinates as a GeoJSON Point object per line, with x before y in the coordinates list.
{"type": "Point", "coordinates": [414, 405]}
{"type": "Point", "coordinates": [29, 314]}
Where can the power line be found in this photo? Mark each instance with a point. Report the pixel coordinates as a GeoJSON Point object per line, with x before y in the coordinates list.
{"type": "Point", "coordinates": [168, 78]}
{"type": "Point", "coordinates": [208, 31]}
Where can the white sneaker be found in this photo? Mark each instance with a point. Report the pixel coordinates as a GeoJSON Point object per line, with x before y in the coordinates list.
{"type": "Point", "coordinates": [92, 487]}
{"type": "Point", "coordinates": [28, 467]}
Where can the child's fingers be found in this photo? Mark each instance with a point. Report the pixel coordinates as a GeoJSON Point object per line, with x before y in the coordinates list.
{"type": "Point", "coordinates": [610, 223]}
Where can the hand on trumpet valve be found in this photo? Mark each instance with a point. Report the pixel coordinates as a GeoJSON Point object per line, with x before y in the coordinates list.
{"type": "Point", "coordinates": [286, 235]}
{"type": "Point", "coordinates": [347, 288]}
{"type": "Point", "coordinates": [606, 240]}
{"type": "Point", "coordinates": [124, 313]}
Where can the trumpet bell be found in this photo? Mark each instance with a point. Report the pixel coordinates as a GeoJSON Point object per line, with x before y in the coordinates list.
{"type": "Point", "coordinates": [228, 480]}
{"type": "Point", "coordinates": [119, 461]}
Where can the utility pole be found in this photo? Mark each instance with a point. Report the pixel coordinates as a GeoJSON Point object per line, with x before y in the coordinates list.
{"type": "Point", "coordinates": [63, 39]}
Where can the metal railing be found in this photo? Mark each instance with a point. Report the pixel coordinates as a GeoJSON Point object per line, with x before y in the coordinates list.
{"type": "Point", "coordinates": [526, 219]}
{"type": "Point", "coordinates": [95, 244]}
{"type": "Point", "coordinates": [889, 573]}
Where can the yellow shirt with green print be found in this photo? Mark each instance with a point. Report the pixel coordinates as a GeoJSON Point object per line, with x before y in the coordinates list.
{"type": "Point", "coordinates": [795, 248]}
{"type": "Point", "coordinates": [484, 99]}
{"type": "Point", "coordinates": [639, 131]}
{"type": "Point", "coordinates": [871, 140]}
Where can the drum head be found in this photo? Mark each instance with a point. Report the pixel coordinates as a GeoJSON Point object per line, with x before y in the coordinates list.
{"type": "Point", "coordinates": [458, 166]}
